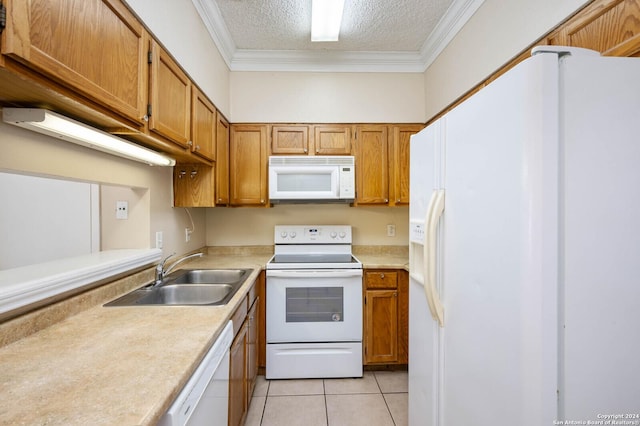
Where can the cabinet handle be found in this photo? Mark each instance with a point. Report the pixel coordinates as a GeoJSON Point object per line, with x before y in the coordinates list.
{"type": "Point", "coordinates": [145, 118]}
{"type": "Point", "coordinates": [197, 147]}
{"type": "Point", "coordinates": [190, 143]}
{"type": "Point", "coordinates": [261, 201]}
{"type": "Point", "coordinates": [193, 173]}
{"type": "Point", "coordinates": [386, 200]}
{"type": "Point", "coordinates": [382, 276]}
{"type": "Point", "coordinates": [181, 174]}
{"type": "Point", "coordinates": [395, 294]}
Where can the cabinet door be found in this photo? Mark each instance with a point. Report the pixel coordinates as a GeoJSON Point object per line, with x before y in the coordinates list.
{"type": "Point", "coordinates": [248, 165]}
{"type": "Point", "coordinates": [237, 378]}
{"type": "Point", "coordinates": [399, 163]}
{"type": "Point", "coordinates": [252, 348]}
{"type": "Point", "coordinates": [222, 160]}
{"type": "Point", "coordinates": [203, 125]}
{"type": "Point", "coordinates": [193, 185]}
{"type": "Point", "coordinates": [95, 47]}
{"type": "Point", "coordinates": [372, 182]}
{"type": "Point", "coordinates": [332, 140]}
{"type": "Point", "coordinates": [170, 93]}
{"type": "Point", "coordinates": [287, 140]}
{"type": "Point", "coordinates": [381, 326]}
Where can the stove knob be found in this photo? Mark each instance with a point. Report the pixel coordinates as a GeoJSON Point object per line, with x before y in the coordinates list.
{"type": "Point", "coordinates": [283, 234]}
{"type": "Point", "coordinates": [292, 234]}
{"type": "Point", "coordinates": [334, 234]}
{"type": "Point", "coordinates": [342, 235]}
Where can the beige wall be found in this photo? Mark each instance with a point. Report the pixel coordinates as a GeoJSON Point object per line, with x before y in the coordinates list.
{"type": "Point", "coordinates": [497, 32]}
{"type": "Point", "coordinates": [254, 226]}
{"type": "Point", "coordinates": [24, 151]}
{"type": "Point", "coordinates": [298, 97]}
{"type": "Point", "coordinates": [177, 25]}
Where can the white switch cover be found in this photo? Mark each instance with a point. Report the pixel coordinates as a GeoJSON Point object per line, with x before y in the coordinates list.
{"type": "Point", "coordinates": [122, 210]}
{"type": "Point", "coordinates": [159, 239]}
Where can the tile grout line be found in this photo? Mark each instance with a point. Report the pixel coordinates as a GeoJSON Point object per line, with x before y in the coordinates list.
{"type": "Point", "coordinates": [385, 400]}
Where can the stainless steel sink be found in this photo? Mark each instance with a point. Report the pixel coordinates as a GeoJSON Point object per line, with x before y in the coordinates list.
{"type": "Point", "coordinates": [189, 287]}
{"type": "Point", "coordinates": [209, 276]}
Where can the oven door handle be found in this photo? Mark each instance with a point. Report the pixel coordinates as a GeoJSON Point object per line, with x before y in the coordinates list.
{"type": "Point", "coordinates": [314, 273]}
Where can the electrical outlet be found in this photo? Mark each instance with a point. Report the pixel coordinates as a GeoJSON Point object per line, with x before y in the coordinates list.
{"type": "Point", "coordinates": [391, 230]}
{"type": "Point", "coordinates": [159, 239]}
{"type": "Point", "coordinates": [122, 210]}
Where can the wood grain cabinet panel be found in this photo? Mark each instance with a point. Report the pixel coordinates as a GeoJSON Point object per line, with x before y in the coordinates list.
{"type": "Point", "coordinates": [287, 140]}
{"type": "Point", "coordinates": [237, 377]}
{"type": "Point", "coordinates": [611, 27]}
{"type": "Point", "coordinates": [399, 149]}
{"type": "Point", "coordinates": [170, 93]}
{"type": "Point", "coordinates": [222, 160]}
{"type": "Point", "coordinates": [332, 139]}
{"type": "Point", "coordinates": [193, 185]}
{"type": "Point", "coordinates": [95, 47]}
{"type": "Point", "coordinates": [248, 165]}
{"type": "Point", "coordinates": [386, 327]}
{"type": "Point", "coordinates": [372, 164]}
{"type": "Point", "coordinates": [203, 125]}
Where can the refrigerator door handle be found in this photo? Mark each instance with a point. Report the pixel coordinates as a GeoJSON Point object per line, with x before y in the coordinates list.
{"type": "Point", "coordinates": [434, 213]}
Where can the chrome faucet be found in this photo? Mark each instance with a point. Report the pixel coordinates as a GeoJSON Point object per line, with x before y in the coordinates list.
{"type": "Point", "coordinates": [161, 272]}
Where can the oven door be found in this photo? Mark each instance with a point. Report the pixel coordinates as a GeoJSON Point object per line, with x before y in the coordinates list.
{"type": "Point", "coordinates": [314, 305]}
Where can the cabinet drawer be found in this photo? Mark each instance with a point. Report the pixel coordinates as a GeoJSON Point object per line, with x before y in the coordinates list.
{"type": "Point", "coordinates": [239, 315]}
{"type": "Point", "coordinates": [381, 279]}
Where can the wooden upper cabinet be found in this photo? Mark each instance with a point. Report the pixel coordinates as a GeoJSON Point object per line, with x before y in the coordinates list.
{"type": "Point", "coordinates": [611, 27]}
{"type": "Point", "coordinates": [332, 139]}
{"type": "Point", "coordinates": [399, 162]}
{"type": "Point", "coordinates": [372, 166]}
{"type": "Point", "coordinates": [222, 160]}
{"type": "Point", "coordinates": [193, 185]}
{"type": "Point", "coordinates": [94, 47]}
{"type": "Point", "coordinates": [290, 140]}
{"type": "Point", "coordinates": [170, 98]}
{"type": "Point", "coordinates": [248, 165]}
{"type": "Point", "coordinates": [203, 125]}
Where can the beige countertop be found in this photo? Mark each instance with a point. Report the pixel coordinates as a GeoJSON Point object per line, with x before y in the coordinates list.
{"type": "Point", "coordinates": [121, 365]}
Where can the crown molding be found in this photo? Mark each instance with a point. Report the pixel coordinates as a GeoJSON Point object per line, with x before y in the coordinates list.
{"type": "Point", "coordinates": [451, 23]}
{"type": "Point", "coordinates": [325, 61]}
{"type": "Point", "coordinates": [453, 20]}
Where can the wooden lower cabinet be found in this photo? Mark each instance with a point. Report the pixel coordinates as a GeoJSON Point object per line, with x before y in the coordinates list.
{"type": "Point", "coordinates": [243, 367]}
{"type": "Point", "coordinates": [386, 328]}
{"type": "Point", "coordinates": [237, 378]}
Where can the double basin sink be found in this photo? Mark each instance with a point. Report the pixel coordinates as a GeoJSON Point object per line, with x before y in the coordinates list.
{"type": "Point", "coordinates": [211, 287]}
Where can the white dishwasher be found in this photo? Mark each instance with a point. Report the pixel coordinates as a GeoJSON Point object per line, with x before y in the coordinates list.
{"type": "Point", "coordinates": [204, 400]}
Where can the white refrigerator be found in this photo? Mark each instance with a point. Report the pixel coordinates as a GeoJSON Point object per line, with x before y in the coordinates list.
{"type": "Point", "coordinates": [525, 249]}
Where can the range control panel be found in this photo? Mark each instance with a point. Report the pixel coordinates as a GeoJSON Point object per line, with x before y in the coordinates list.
{"type": "Point", "coordinates": [312, 234]}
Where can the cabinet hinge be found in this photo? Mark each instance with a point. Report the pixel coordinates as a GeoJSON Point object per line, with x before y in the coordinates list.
{"type": "Point", "coordinates": [149, 57]}
{"type": "Point", "coordinates": [3, 16]}
{"type": "Point", "coordinates": [148, 110]}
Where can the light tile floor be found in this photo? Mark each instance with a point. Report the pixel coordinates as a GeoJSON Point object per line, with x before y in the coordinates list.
{"type": "Point", "coordinates": [377, 399]}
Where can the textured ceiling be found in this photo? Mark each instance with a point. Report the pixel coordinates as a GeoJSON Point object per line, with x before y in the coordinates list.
{"type": "Point", "coordinates": [376, 35]}
{"type": "Point", "coordinates": [367, 25]}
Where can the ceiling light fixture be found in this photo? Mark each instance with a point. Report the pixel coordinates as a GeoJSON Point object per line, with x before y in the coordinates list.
{"type": "Point", "coordinates": [326, 17]}
{"type": "Point", "coordinates": [56, 125]}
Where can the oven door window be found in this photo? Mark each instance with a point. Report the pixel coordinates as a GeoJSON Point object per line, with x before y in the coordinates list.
{"type": "Point", "coordinates": [314, 304]}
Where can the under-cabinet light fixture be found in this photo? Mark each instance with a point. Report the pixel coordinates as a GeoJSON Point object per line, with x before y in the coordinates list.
{"type": "Point", "coordinates": [326, 18]}
{"type": "Point", "coordinates": [61, 127]}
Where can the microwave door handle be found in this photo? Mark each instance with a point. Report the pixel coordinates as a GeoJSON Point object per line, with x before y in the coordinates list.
{"type": "Point", "coordinates": [312, 273]}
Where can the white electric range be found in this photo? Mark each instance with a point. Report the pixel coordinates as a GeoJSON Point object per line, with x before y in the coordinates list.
{"type": "Point", "coordinates": [314, 304]}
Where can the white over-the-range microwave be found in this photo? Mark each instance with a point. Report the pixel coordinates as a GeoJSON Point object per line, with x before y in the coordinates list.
{"type": "Point", "coordinates": [311, 179]}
